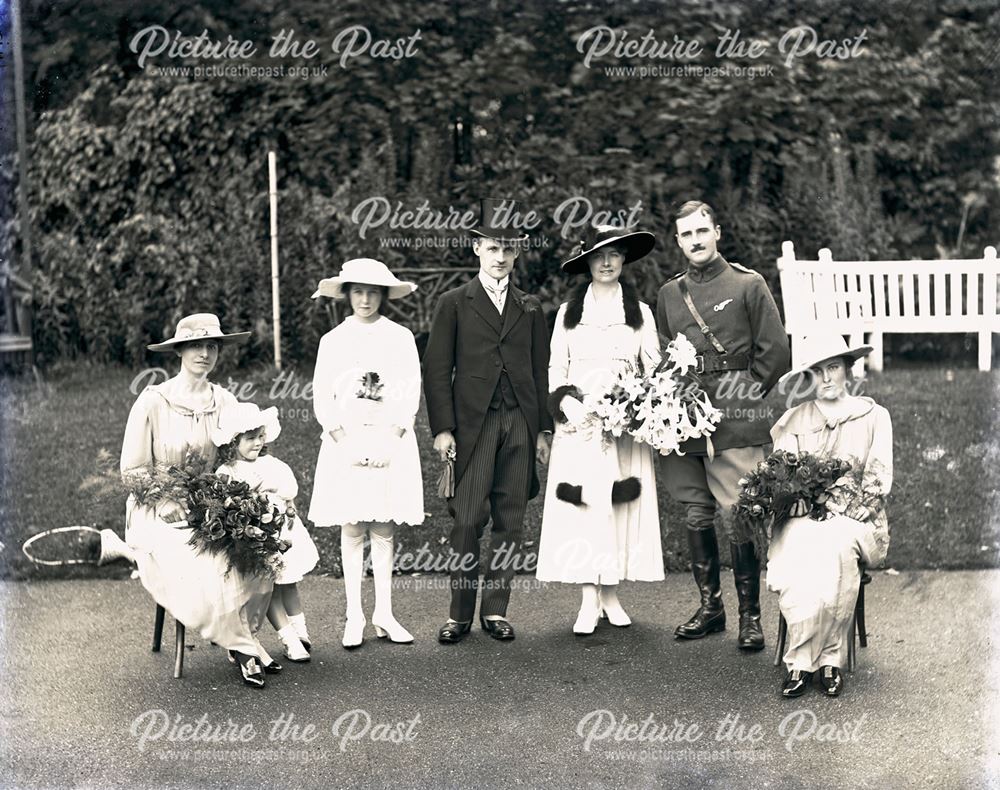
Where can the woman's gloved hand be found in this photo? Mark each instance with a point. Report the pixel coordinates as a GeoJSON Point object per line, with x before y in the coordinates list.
{"type": "Point", "coordinates": [171, 511]}
{"type": "Point", "coordinates": [376, 448]}
{"type": "Point", "coordinates": [574, 410]}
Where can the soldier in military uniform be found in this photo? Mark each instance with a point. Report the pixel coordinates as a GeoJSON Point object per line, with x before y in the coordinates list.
{"type": "Point", "coordinates": [728, 313]}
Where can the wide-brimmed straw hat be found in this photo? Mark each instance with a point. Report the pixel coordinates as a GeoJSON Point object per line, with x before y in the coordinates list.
{"type": "Point", "coordinates": [491, 226]}
{"type": "Point", "coordinates": [637, 244]}
{"type": "Point", "coordinates": [244, 417]}
{"type": "Point", "coordinates": [200, 326]}
{"type": "Point", "coordinates": [364, 271]}
{"type": "Point", "coordinates": [817, 349]}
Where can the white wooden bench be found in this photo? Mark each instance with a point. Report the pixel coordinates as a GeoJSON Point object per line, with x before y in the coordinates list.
{"type": "Point", "coordinates": [16, 347]}
{"type": "Point", "coordinates": [859, 298]}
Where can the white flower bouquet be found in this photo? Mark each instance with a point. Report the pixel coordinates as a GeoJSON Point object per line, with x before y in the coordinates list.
{"type": "Point", "coordinates": [663, 409]}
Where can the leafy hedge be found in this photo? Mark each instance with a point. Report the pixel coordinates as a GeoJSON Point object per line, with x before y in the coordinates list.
{"type": "Point", "coordinates": [150, 192]}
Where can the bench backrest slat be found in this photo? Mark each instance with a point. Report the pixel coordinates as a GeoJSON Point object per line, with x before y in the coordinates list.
{"type": "Point", "coordinates": [890, 294]}
{"type": "Point", "coordinates": [924, 292]}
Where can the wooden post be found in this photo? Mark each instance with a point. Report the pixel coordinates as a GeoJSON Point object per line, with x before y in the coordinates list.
{"type": "Point", "coordinates": [272, 170]}
{"type": "Point", "coordinates": [846, 311]}
{"type": "Point", "coordinates": [876, 358]}
{"type": "Point", "coordinates": [787, 255]}
{"type": "Point", "coordinates": [22, 144]}
{"type": "Point", "coordinates": [788, 280]}
{"type": "Point", "coordinates": [990, 284]}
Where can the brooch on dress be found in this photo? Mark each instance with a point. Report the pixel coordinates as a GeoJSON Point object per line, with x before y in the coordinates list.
{"type": "Point", "coordinates": [371, 387]}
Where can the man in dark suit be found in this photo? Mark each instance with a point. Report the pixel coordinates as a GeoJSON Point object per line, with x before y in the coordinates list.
{"type": "Point", "coordinates": [486, 383]}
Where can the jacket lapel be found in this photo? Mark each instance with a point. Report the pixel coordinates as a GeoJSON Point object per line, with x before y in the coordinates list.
{"type": "Point", "coordinates": [514, 309]}
{"type": "Point", "coordinates": [482, 304]}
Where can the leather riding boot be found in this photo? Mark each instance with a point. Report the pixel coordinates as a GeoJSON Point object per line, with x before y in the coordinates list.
{"type": "Point", "coordinates": [746, 574]}
{"type": "Point", "coordinates": [710, 617]}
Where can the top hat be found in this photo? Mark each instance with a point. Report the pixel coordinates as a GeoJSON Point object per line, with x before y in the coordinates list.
{"type": "Point", "coordinates": [364, 271]}
{"type": "Point", "coordinates": [492, 225]}
{"type": "Point", "coordinates": [636, 244]}
{"type": "Point", "coordinates": [200, 326]}
{"type": "Point", "coordinates": [817, 349]}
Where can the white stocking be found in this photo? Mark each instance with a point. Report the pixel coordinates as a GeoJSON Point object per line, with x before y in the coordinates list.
{"type": "Point", "coordinates": [352, 553]}
{"type": "Point", "coordinates": [382, 550]}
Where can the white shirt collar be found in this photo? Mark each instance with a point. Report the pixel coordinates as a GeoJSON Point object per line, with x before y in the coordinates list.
{"type": "Point", "coordinates": [489, 282]}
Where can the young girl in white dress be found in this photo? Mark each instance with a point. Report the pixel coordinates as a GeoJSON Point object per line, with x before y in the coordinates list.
{"type": "Point", "coordinates": [366, 391]}
{"type": "Point", "coordinates": [242, 437]}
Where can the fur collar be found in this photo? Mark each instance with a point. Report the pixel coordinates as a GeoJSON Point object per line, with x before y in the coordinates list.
{"type": "Point", "coordinates": [630, 302]}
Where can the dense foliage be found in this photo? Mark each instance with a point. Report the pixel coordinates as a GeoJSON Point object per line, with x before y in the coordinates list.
{"type": "Point", "coordinates": [149, 192]}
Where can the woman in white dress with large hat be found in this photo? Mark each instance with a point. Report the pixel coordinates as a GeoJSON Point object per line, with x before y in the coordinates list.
{"type": "Point", "coordinates": [166, 422]}
{"type": "Point", "coordinates": [366, 392]}
{"type": "Point", "coordinates": [816, 566]}
{"type": "Point", "coordinates": [600, 524]}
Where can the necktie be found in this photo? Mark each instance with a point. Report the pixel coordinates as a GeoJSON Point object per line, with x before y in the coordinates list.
{"type": "Point", "coordinates": [497, 294]}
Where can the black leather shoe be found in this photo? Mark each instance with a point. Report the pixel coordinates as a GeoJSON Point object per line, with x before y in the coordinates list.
{"type": "Point", "coordinates": [271, 669]}
{"type": "Point", "coordinates": [498, 629]}
{"type": "Point", "coordinates": [450, 633]}
{"type": "Point", "coordinates": [703, 623]}
{"type": "Point", "coordinates": [710, 617]}
{"type": "Point", "coordinates": [796, 683]}
{"type": "Point", "coordinates": [831, 680]}
{"type": "Point", "coordinates": [746, 575]}
{"type": "Point", "coordinates": [751, 634]}
{"type": "Point", "coordinates": [250, 669]}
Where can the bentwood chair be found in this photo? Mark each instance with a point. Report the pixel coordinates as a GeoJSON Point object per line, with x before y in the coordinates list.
{"type": "Point", "coordinates": [857, 629]}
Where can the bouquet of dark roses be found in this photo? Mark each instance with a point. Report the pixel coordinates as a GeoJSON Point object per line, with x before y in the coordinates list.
{"type": "Point", "coordinates": [663, 409]}
{"type": "Point", "coordinates": [225, 516]}
{"type": "Point", "coordinates": [785, 485]}
{"type": "Point", "coordinates": [859, 494]}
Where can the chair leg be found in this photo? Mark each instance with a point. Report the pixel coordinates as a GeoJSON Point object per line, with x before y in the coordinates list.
{"type": "Point", "coordinates": [851, 655]}
{"type": "Point", "coordinates": [179, 651]}
{"type": "Point", "coordinates": [779, 647]}
{"type": "Point", "coordinates": [158, 628]}
{"type": "Point", "coordinates": [859, 616]}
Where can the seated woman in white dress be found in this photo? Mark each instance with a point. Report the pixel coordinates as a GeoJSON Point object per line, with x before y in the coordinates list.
{"type": "Point", "coordinates": [600, 524]}
{"type": "Point", "coordinates": [815, 566]}
{"type": "Point", "coordinates": [166, 422]}
{"type": "Point", "coordinates": [366, 391]}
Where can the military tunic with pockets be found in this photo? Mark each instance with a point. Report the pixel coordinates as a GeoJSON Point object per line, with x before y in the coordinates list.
{"type": "Point", "coordinates": [737, 307]}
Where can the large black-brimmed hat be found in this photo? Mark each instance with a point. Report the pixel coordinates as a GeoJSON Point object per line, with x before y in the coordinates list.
{"type": "Point", "coordinates": [637, 244]}
{"type": "Point", "coordinates": [492, 212]}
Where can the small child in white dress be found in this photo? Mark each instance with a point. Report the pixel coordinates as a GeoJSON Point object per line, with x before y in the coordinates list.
{"type": "Point", "coordinates": [242, 436]}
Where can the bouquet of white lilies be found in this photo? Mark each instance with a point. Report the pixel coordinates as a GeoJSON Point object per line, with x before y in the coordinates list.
{"type": "Point", "coordinates": [663, 409]}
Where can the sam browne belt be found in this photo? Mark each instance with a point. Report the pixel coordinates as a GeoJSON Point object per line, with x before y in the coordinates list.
{"type": "Point", "coordinates": [712, 363]}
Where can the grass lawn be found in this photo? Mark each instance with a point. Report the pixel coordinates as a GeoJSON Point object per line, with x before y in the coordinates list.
{"type": "Point", "coordinates": [60, 446]}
